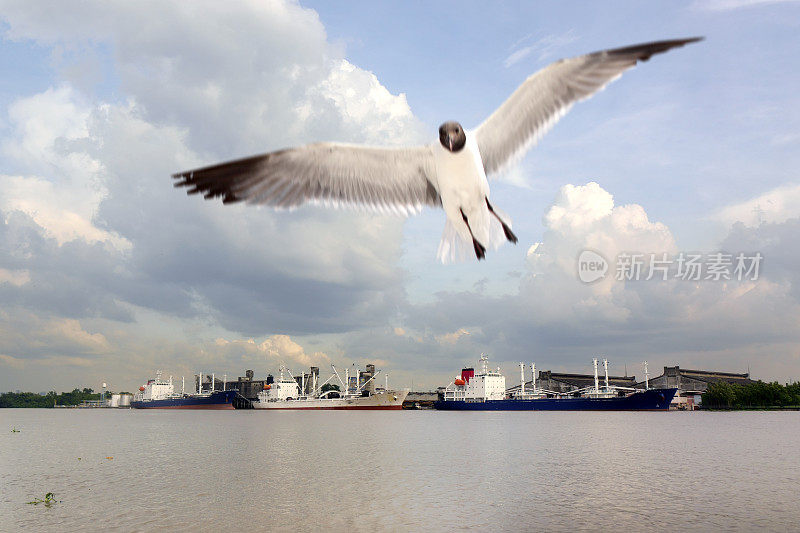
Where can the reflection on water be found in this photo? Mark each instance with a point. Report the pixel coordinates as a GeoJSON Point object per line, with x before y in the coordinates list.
{"type": "Point", "coordinates": [303, 471]}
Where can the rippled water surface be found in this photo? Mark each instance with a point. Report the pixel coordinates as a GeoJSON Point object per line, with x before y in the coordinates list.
{"type": "Point", "coordinates": [417, 470]}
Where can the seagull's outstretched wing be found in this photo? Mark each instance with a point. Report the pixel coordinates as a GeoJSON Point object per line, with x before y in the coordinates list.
{"type": "Point", "coordinates": [393, 179]}
{"type": "Point", "coordinates": [548, 94]}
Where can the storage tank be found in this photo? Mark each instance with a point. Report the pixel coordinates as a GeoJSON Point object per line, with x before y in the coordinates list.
{"type": "Point", "coordinates": [125, 400]}
{"type": "Point", "coordinates": [113, 401]}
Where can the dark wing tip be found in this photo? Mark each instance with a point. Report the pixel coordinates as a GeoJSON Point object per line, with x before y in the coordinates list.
{"type": "Point", "coordinates": [231, 198]}
{"type": "Point", "coordinates": [643, 52]}
{"type": "Point", "coordinates": [183, 180]}
{"type": "Point", "coordinates": [221, 180]}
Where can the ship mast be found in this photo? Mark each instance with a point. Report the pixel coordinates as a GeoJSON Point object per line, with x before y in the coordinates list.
{"type": "Point", "coordinates": [596, 382]}
{"type": "Point", "coordinates": [344, 388]}
{"type": "Point", "coordinates": [484, 364]}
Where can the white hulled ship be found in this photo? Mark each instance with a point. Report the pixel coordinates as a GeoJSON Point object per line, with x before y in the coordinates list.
{"type": "Point", "coordinates": [304, 392]}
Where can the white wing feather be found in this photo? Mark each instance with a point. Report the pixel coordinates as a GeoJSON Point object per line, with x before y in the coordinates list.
{"type": "Point", "coordinates": [401, 180]}
{"type": "Point", "coordinates": [548, 94]}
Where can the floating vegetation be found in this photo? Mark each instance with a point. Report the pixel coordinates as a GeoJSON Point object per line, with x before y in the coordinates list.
{"type": "Point", "coordinates": [15, 430]}
{"type": "Point", "coordinates": [49, 499]}
{"type": "Point", "coordinates": [109, 458]}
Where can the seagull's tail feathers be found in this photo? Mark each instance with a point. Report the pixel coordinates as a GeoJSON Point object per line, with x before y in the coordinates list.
{"type": "Point", "coordinates": [454, 247]}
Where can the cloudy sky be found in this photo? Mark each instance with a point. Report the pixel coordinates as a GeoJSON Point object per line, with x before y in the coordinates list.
{"type": "Point", "coordinates": [108, 273]}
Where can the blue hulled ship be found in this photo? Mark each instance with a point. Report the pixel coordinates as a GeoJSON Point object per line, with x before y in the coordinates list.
{"type": "Point", "coordinates": [486, 391]}
{"type": "Point", "coordinates": [160, 394]}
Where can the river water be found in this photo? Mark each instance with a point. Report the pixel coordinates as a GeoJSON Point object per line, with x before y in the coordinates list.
{"type": "Point", "coordinates": [131, 470]}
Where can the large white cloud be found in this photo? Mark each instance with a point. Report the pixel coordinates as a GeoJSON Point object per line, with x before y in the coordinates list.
{"type": "Point", "coordinates": [242, 77]}
{"type": "Point", "coordinates": [584, 217]}
{"type": "Point", "coordinates": [274, 351]}
{"type": "Point", "coordinates": [65, 188]}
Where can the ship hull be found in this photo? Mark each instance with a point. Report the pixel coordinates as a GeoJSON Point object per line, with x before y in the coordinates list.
{"type": "Point", "coordinates": [216, 400]}
{"type": "Point", "coordinates": [380, 401]}
{"type": "Point", "coordinates": [649, 400]}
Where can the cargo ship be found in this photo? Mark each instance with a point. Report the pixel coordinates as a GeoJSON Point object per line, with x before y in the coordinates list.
{"type": "Point", "coordinates": [160, 394]}
{"type": "Point", "coordinates": [304, 392]}
{"type": "Point", "coordinates": [486, 391]}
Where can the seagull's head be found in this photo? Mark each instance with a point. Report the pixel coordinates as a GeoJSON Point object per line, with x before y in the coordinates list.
{"type": "Point", "coordinates": [452, 136]}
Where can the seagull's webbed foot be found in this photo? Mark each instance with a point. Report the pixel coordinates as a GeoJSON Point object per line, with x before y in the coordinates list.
{"type": "Point", "coordinates": [509, 234]}
{"type": "Point", "coordinates": [480, 250]}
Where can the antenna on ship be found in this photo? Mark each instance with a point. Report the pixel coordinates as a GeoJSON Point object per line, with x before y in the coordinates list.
{"type": "Point", "coordinates": [183, 385]}
{"type": "Point", "coordinates": [533, 378]}
{"type": "Point", "coordinates": [646, 377]}
{"type": "Point", "coordinates": [522, 379]}
{"type": "Point", "coordinates": [596, 382]}
{"type": "Point", "coordinates": [605, 367]}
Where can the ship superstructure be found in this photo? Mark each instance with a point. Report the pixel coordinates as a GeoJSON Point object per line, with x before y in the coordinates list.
{"type": "Point", "coordinates": [487, 385]}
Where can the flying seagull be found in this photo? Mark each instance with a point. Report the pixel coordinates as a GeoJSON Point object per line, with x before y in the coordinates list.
{"type": "Point", "coordinates": [449, 173]}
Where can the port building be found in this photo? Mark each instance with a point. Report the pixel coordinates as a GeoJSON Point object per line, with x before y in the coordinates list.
{"type": "Point", "coordinates": [691, 384]}
{"type": "Point", "coordinates": [247, 386]}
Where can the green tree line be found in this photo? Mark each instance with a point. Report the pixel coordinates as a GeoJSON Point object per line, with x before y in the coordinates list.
{"type": "Point", "coordinates": [722, 395]}
{"type": "Point", "coordinates": [31, 399]}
